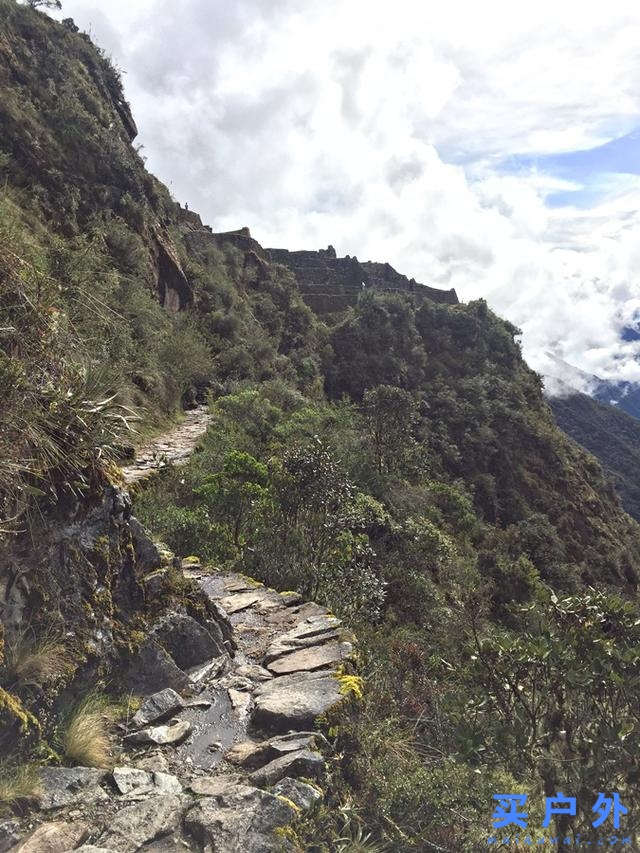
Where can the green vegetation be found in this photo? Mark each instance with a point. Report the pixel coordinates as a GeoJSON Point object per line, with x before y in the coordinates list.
{"type": "Point", "coordinates": [611, 435]}
{"type": "Point", "coordinates": [397, 463]}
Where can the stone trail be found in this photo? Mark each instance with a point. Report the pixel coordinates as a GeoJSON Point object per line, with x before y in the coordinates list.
{"type": "Point", "coordinates": [174, 447]}
{"type": "Point", "coordinates": [224, 753]}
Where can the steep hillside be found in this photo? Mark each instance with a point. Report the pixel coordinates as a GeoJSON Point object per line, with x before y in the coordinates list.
{"type": "Point", "coordinates": [390, 457]}
{"type": "Point", "coordinates": [611, 435]}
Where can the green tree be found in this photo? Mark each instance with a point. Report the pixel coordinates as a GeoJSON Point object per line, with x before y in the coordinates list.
{"type": "Point", "coordinates": [235, 493]}
{"type": "Point", "coordinates": [391, 416]}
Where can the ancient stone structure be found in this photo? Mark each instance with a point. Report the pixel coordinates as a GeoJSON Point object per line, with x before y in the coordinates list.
{"type": "Point", "coordinates": [322, 273]}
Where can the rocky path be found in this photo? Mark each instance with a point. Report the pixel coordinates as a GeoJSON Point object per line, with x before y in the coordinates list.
{"type": "Point", "coordinates": [222, 755]}
{"type": "Point", "coordinates": [174, 447]}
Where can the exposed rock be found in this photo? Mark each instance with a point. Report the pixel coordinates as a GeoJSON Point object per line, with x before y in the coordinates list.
{"type": "Point", "coordinates": [304, 762]}
{"type": "Point", "coordinates": [254, 672]}
{"type": "Point", "coordinates": [133, 780]}
{"type": "Point", "coordinates": [154, 762]}
{"type": "Point", "coordinates": [9, 835]}
{"type": "Point", "coordinates": [188, 643]}
{"type": "Point", "coordinates": [143, 822]}
{"type": "Point", "coordinates": [310, 632]}
{"type": "Point", "coordinates": [314, 657]}
{"type": "Point", "coordinates": [128, 779]}
{"type": "Point", "coordinates": [207, 671]}
{"type": "Point", "coordinates": [294, 701]}
{"type": "Point", "coordinates": [252, 754]}
{"type": "Point", "coordinates": [153, 669]}
{"type": "Point", "coordinates": [155, 585]}
{"type": "Point", "coordinates": [172, 733]}
{"type": "Point", "coordinates": [303, 795]}
{"type": "Point", "coordinates": [215, 786]}
{"type": "Point", "coordinates": [290, 598]}
{"type": "Point", "coordinates": [62, 786]}
{"type": "Point", "coordinates": [242, 600]}
{"type": "Point", "coordinates": [55, 837]}
{"type": "Point", "coordinates": [240, 701]}
{"type": "Point", "coordinates": [148, 556]}
{"type": "Point", "coordinates": [89, 848]}
{"type": "Point", "coordinates": [166, 783]}
{"type": "Point", "coordinates": [241, 820]}
{"type": "Point", "coordinates": [158, 707]}
{"type": "Point", "coordinates": [174, 290]}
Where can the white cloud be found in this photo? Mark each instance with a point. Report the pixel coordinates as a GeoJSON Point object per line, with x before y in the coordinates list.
{"type": "Point", "coordinates": [389, 131]}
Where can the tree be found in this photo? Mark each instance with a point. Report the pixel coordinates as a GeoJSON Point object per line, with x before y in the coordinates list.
{"type": "Point", "coordinates": [391, 416]}
{"type": "Point", "coordinates": [235, 492]}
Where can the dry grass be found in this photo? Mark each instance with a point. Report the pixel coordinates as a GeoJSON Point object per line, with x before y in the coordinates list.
{"type": "Point", "coordinates": [85, 736]}
{"type": "Point", "coordinates": [38, 660]}
{"type": "Point", "coordinates": [18, 783]}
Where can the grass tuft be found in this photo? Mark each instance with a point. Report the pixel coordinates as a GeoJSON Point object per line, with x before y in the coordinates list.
{"type": "Point", "coordinates": [18, 782]}
{"type": "Point", "coordinates": [85, 736]}
{"type": "Point", "coordinates": [38, 660]}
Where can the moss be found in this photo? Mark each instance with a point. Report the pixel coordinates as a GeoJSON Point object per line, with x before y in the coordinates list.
{"type": "Point", "coordinates": [191, 560]}
{"type": "Point", "coordinates": [14, 711]}
{"type": "Point", "coordinates": [289, 802]}
{"type": "Point", "coordinates": [288, 833]}
{"type": "Point", "coordinates": [251, 581]}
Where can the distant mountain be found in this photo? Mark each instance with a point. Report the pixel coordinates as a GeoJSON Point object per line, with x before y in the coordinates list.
{"type": "Point", "coordinates": [564, 379]}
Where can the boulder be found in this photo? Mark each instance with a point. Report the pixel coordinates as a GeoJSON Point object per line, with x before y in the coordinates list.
{"type": "Point", "coordinates": [55, 837]}
{"type": "Point", "coordinates": [304, 762]}
{"type": "Point", "coordinates": [172, 733]}
{"type": "Point", "coordinates": [216, 786]}
{"type": "Point", "coordinates": [143, 822]}
{"type": "Point", "coordinates": [294, 701]}
{"type": "Point", "coordinates": [64, 786]}
{"type": "Point", "coordinates": [240, 820]}
{"type": "Point", "coordinates": [188, 643]}
{"type": "Point", "coordinates": [152, 669]}
{"type": "Point", "coordinates": [130, 779]}
{"type": "Point", "coordinates": [166, 783]}
{"type": "Point", "coordinates": [312, 631]}
{"type": "Point", "coordinates": [303, 795]}
{"type": "Point", "coordinates": [313, 657]}
{"type": "Point", "coordinates": [158, 707]}
{"type": "Point", "coordinates": [199, 675]}
{"type": "Point", "coordinates": [252, 754]}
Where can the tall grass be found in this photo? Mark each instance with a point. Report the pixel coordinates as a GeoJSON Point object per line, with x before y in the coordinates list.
{"type": "Point", "coordinates": [85, 732]}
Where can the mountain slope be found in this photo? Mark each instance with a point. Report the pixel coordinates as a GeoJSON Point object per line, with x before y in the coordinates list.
{"type": "Point", "coordinates": [612, 435]}
{"type": "Point", "coordinates": [393, 459]}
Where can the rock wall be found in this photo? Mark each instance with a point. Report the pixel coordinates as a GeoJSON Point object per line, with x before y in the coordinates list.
{"type": "Point", "coordinates": [323, 273]}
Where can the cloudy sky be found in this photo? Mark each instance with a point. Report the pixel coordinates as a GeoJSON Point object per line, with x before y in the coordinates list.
{"type": "Point", "coordinates": [491, 147]}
